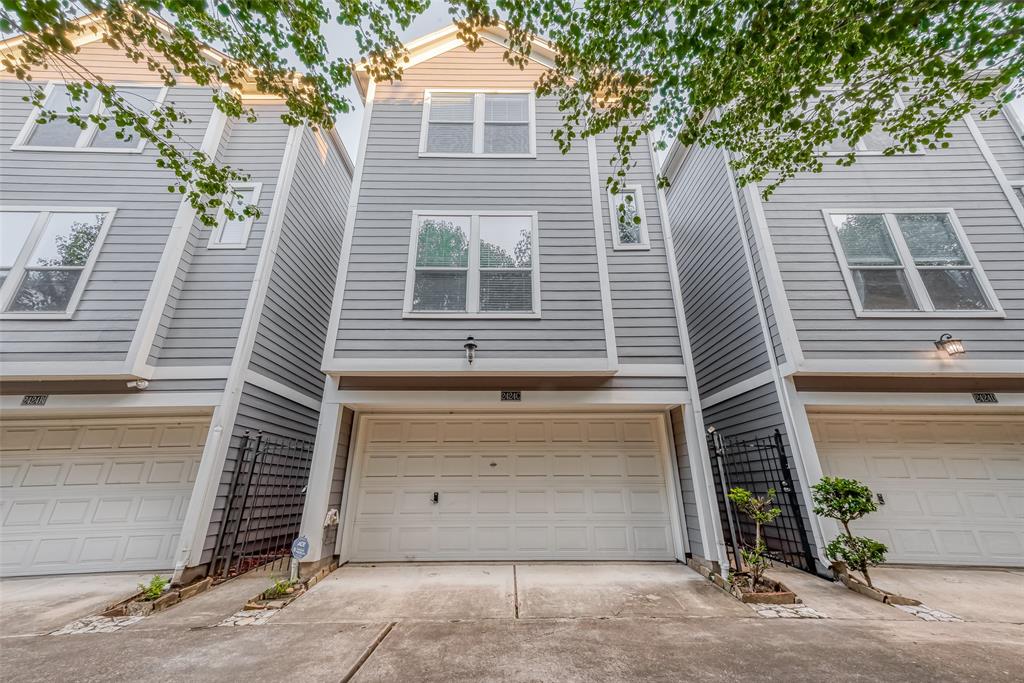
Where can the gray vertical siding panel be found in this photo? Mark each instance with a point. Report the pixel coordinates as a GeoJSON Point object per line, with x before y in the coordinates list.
{"type": "Point", "coordinates": [645, 314]}
{"type": "Point", "coordinates": [718, 295]}
{"type": "Point", "coordinates": [293, 325]}
{"type": "Point", "coordinates": [957, 178]}
{"type": "Point", "coordinates": [208, 308]}
{"type": "Point", "coordinates": [686, 484]}
{"type": "Point", "coordinates": [258, 410]}
{"type": "Point", "coordinates": [396, 182]}
{"type": "Point", "coordinates": [102, 327]}
{"type": "Point", "coordinates": [756, 414]}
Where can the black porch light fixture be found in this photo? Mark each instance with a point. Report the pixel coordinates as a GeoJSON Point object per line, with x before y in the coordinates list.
{"type": "Point", "coordinates": [951, 345]}
{"type": "Point", "coordinates": [470, 347]}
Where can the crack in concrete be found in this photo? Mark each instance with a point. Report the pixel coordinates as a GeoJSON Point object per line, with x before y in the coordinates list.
{"type": "Point", "coordinates": [515, 593]}
{"type": "Point", "coordinates": [370, 649]}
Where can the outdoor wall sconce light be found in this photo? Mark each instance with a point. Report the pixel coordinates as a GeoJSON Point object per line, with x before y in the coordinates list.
{"type": "Point", "coordinates": [952, 347]}
{"type": "Point", "coordinates": [470, 347]}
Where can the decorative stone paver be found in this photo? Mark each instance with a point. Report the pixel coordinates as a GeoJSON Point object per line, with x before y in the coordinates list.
{"type": "Point", "coordinates": [928, 614]}
{"type": "Point", "coordinates": [96, 625]}
{"type": "Point", "coordinates": [786, 611]}
{"type": "Point", "coordinates": [249, 617]}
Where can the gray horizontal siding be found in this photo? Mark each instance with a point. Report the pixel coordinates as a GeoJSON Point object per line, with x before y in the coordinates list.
{"type": "Point", "coordinates": [762, 282]}
{"type": "Point", "coordinates": [1007, 147]}
{"type": "Point", "coordinates": [958, 178]}
{"type": "Point", "coordinates": [686, 485]}
{"type": "Point", "coordinates": [645, 314]}
{"type": "Point", "coordinates": [201, 323]}
{"type": "Point", "coordinates": [258, 410]}
{"type": "Point", "coordinates": [396, 182]}
{"type": "Point", "coordinates": [718, 295]}
{"type": "Point", "coordinates": [293, 325]}
{"type": "Point", "coordinates": [107, 316]}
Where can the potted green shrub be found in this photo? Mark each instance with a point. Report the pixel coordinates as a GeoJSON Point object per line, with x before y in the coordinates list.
{"type": "Point", "coordinates": [847, 500]}
{"type": "Point", "coordinates": [749, 582]}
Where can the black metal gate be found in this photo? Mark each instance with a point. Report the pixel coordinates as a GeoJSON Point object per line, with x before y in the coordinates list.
{"type": "Point", "coordinates": [760, 464]}
{"type": "Point", "coordinates": [264, 504]}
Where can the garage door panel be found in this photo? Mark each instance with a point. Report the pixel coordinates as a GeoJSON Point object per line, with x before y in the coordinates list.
{"type": "Point", "coordinates": [96, 495]}
{"type": "Point", "coordinates": [511, 488]}
{"type": "Point", "coordinates": [952, 488]}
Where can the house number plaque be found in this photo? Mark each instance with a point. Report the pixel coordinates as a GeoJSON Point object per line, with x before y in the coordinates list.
{"type": "Point", "coordinates": [34, 399]}
{"type": "Point", "coordinates": [511, 396]}
{"type": "Point", "coordinates": [984, 397]}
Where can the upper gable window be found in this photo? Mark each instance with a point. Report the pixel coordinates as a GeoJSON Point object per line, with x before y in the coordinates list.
{"type": "Point", "coordinates": [875, 141]}
{"type": "Point", "coordinates": [233, 233]}
{"type": "Point", "coordinates": [473, 264]}
{"type": "Point", "coordinates": [45, 258]}
{"type": "Point", "coordinates": [61, 134]}
{"type": "Point", "coordinates": [491, 124]}
{"type": "Point", "coordinates": [629, 221]}
{"type": "Point", "coordinates": [909, 262]}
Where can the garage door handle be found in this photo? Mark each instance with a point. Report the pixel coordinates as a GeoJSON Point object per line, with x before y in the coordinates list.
{"type": "Point", "coordinates": [435, 498]}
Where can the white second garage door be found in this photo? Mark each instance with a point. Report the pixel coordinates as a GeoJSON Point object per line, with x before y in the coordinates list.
{"type": "Point", "coordinates": [511, 488]}
{"type": "Point", "coordinates": [953, 486]}
{"type": "Point", "coordinates": [95, 495]}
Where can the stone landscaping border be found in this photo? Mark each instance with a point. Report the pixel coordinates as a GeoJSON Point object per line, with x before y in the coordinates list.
{"type": "Point", "coordinates": [779, 596]}
{"type": "Point", "coordinates": [856, 585]}
{"type": "Point", "coordinates": [262, 602]}
{"type": "Point", "coordinates": [133, 606]}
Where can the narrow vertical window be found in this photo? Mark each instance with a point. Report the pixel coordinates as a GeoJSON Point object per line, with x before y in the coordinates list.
{"type": "Point", "coordinates": [629, 222]}
{"type": "Point", "coordinates": [233, 233]}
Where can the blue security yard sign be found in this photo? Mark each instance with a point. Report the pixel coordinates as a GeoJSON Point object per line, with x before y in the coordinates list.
{"type": "Point", "coordinates": [300, 547]}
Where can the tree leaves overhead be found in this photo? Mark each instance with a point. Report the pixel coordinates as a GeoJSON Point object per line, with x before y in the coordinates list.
{"type": "Point", "coordinates": [777, 83]}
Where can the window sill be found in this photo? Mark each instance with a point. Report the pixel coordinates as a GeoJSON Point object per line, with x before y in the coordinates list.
{"type": "Point", "coordinates": [470, 155]}
{"type": "Point", "coordinates": [931, 314]}
{"type": "Point", "coordinates": [471, 316]}
{"type": "Point", "coordinates": [36, 316]}
{"type": "Point", "coordinates": [94, 150]}
{"type": "Point", "coordinates": [631, 247]}
{"type": "Point", "coordinates": [229, 247]}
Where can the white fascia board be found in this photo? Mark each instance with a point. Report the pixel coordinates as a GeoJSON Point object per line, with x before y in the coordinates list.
{"type": "Point", "coordinates": [907, 401]}
{"type": "Point", "coordinates": [143, 400]}
{"type": "Point", "coordinates": [47, 370]}
{"type": "Point", "coordinates": [897, 367]}
{"type": "Point", "coordinates": [490, 400]}
{"type": "Point", "coordinates": [442, 367]}
{"type": "Point", "coordinates": [741, 387]}
{"type": "Point", "coordinates": [282, 390]}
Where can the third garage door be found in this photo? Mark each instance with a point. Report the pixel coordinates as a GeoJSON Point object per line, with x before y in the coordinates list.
{"type": "Point", "coordinates": [953, 485]}
{"type": "Point", "coordinates": [511, 488]}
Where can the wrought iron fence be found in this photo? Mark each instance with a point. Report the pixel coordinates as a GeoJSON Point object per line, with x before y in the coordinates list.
{"type": "Point", "coordinates": [760, 464]}
{"type": "Point", "coordinates": [264, 503]}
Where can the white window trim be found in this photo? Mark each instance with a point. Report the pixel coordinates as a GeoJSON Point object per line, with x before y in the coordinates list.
{"type": "Point", "coordinates": [478, 124]}
{"type": "Point", "coordinates": [18, 269]}
{"type": "Point", "coordinates": [21, 143]}
{"type": "Point", "coordinates": [213, 242]}
{"type": "Point", "coordinates": [914, 281]}
{"type": "Point", "coordinates": [613, 214]}
{"type": "Point", "coordinates": [473, 272]}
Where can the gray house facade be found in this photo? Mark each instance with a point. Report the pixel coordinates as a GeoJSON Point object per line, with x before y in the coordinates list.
{"type": "Point", "coordinates": [138, 346]}
{"type": "Point", "coordinates": [873, 315]}
{"type": "Point", "coordinates": [509, 374]}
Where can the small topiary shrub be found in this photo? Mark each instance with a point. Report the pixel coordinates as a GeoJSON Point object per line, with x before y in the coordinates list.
{"type": "Point", "coordinates": [762, 511]}
{"type": "Point", "coordinates": [154, 589]}
{"type": "Point", "coordinates": [847, 500]}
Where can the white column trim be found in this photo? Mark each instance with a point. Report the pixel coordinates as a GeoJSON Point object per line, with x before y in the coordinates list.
{"type": "Point", "coordinates": [321, 477]}
{"type": "Point", "coordinates": [607, 311]}
{"type": "Point", "coordinates": [204, 492]}
{"type": "Point", "coordinates": [136, 360]}
{"type": "Point", "coordinates": [808, 464]}
{"type": "Point", "coordinates": [677, 509]}
{"type": "Point", "coordinates": [708, 519]}
{"type": "Point", "coordinates": [346, 238]}
{"type": "Point", "coordinates": [997, 170]}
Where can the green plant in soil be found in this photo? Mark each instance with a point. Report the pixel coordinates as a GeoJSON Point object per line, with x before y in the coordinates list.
{"type": "Point", "coordinates": [761, 510]}
{"type": "Point", "coordinates": [279, 589]}
{"type": "Point", "coordinates": [154, 589]}
{"type": "Point", "coordinates": [847, 500]}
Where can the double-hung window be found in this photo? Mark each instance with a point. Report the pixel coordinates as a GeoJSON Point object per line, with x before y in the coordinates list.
{"type": "Point", "coordinates": [629, 221]}
{"type": "Point", "coordinates": [910, 263]}
{"type": "Point", "coordinates": [46, 257]}
{"type": "Point", "coordinates": [488, 124]}
{"type": "Point", "coordinates": [473, 264]}
{"type": "Point", "coordinates": [61, 134]}
{"type": "Point", "coordinates": [233, 233]}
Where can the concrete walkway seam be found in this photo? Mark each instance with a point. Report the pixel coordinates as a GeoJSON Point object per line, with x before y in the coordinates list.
{"type": "Point", "coordinates": [368, 651]}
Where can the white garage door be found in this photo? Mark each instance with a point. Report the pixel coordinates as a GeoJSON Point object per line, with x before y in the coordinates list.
{"type": "Point", "coordinates": [953, 486]}
{"type": "Point", "coordinates": [95, 495]}
{"type": "Point", "coordinates": [515, 488]}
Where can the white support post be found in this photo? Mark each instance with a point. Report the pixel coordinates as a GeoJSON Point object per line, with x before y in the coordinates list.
{"type": "Point", "coordinates": [711, 535]}
{"type": "Point", "coordinates": [321, 474]}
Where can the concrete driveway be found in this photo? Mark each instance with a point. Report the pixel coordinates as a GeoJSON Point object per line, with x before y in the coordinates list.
{"type": "Point", "coordinates": [40, 604]}
{"type": "Point", "coordinates": [524, 622]}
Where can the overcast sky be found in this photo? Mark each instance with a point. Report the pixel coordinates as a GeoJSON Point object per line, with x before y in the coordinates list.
{"type": "Point", "coordinates": [343, 44]}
